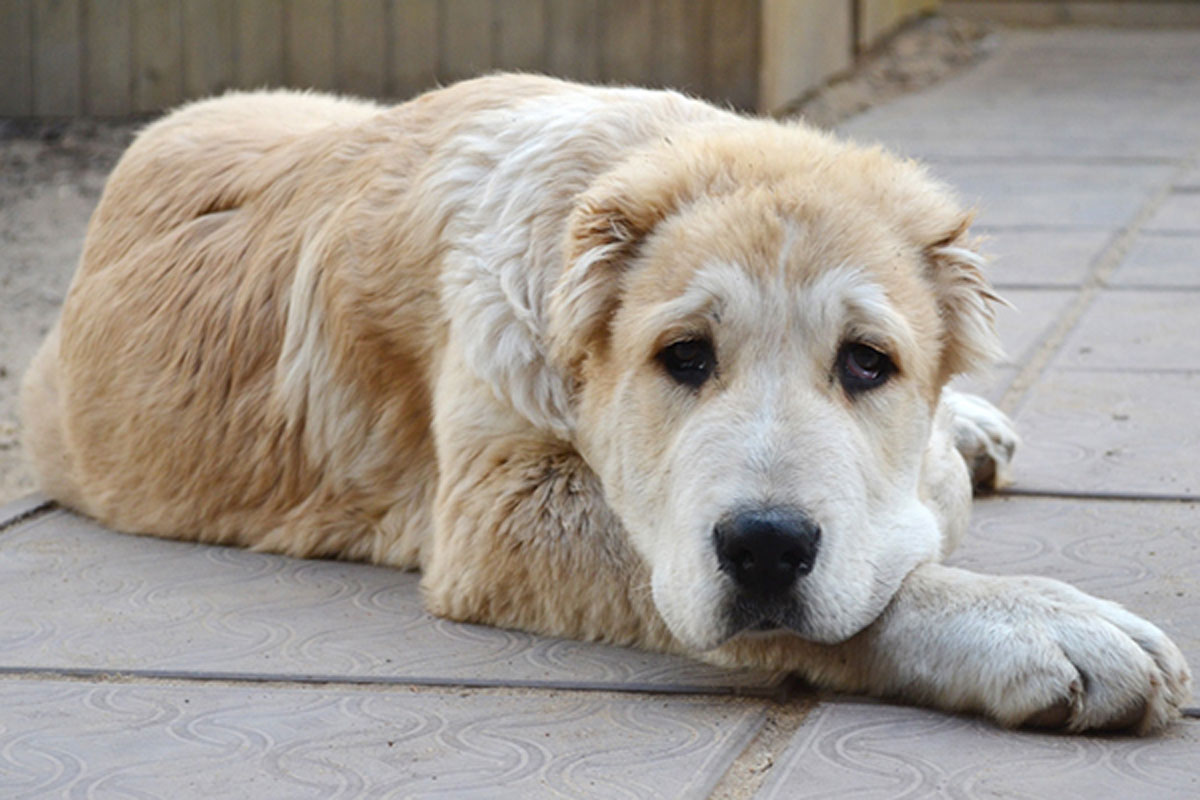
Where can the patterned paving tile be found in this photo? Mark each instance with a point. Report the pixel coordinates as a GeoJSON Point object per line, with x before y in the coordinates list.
{"type": "Point", "coordinates": [76, 597]}
{"type": "Point", "coordinates": [1042, 258]}
{"type": "Point", "coordinates": [1139, 330]}
{"type": "Point", "coordinates": [1161, 260]}
{"type": "Point", "coordinates": [868, 750]}
{"type": "Point", "coordinates": [1145, 556]}
{"type": "Point", "coordinates": [1125, 432]}
{"type": "Point", "coordinates": [1096, 196]}
{"type": "Point", "coordinates": [74, 739]}
{"type": "Point", "coordinates": [1033, 313]}
{"type": "Point", "coordinates": [1180, 212]}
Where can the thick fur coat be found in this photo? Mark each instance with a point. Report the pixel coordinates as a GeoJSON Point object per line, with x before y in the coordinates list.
{"type": "Point", "coordinates": [603, 363]}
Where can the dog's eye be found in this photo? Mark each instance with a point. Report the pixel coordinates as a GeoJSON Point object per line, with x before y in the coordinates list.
{"type": "Point", "coordinates": [690, 362]}
{"type": "Point", "coordinates": [861, 367]}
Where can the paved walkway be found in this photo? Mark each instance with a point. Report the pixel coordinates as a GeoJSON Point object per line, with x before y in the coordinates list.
{"type": "Point", "coordinates": [142, 668]}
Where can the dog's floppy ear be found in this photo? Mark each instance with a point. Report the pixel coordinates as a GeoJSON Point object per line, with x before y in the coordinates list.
{"type": "Point", "coordinates": [603, 234]}
{"type": "Point", "coordinates": [965, 300]}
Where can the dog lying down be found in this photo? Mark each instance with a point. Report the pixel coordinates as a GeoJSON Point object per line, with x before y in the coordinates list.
{"type": "Point", "coordinates": [602, 363]}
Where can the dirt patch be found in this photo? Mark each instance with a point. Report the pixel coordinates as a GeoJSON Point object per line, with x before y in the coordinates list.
{"type": "Point", "coordinates": [51, 175]}
{"type": "Point", "coordinates": [920, 54]}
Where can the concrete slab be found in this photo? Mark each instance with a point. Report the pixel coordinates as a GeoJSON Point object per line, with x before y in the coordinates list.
{"type": "Point", "coordinates": [1144, 555]}
{"type": "Point", "coordinates": [1039, 195]}
{"type": "Point", "coordinates": [79, 599]}
{"type": "Point", "coordinates": [1042, 258]}
{"type": "Point", "coordinates": [1161, 260]}
{"type": "Point", "coordinates": [67, 739]}
{"type": "Point", "coordinates": [1136, 330]}
{"type": "Point", "coordinates": [868, 750]}
{"type": "Point", "coordinates": [1123, 432]}
{"type": "Point", "coordinates": [1179, 212]}
{"type": "Point", "coordinates": [1023, 327]}
{"type": "Point", "coordinates": [991, 384]}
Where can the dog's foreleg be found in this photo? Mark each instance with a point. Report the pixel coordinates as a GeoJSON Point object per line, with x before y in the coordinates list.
{"type": "Point", "coordinates": [983, 435]}
{"type": "Point", "coordinates": [1021, 650]}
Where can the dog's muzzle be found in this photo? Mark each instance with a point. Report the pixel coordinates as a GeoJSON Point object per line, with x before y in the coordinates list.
{"type": "Point", "coordinates": [765, 552]}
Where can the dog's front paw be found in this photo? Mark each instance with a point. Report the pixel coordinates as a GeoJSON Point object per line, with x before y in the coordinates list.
{"type": "Point", "coordinates": [1069, 660]}
{"type": "Point", "coordinates": [983, 435]}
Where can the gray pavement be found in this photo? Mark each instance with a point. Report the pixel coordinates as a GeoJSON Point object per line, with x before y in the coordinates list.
{"type": "Point", "coordinates": [134, 667]}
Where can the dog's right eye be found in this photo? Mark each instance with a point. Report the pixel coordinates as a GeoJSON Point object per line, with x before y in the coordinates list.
{"type": "Point", "coordinates": [689, 362]}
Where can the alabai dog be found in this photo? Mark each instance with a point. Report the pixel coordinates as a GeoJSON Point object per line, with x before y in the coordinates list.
{"type": "Point", "coordinates": [604, 363]}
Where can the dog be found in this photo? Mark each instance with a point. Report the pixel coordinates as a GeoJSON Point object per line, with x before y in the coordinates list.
{"type": "Point", "coordinates": [604, 363]}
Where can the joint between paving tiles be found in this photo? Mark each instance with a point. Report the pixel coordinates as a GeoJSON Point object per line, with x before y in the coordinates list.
{"type": "Point", "coordinates": [42, 508]}
{"type": "Point", "coordinates": [752, 766]}
{"type": "Point", "coordinates": [1096, 280]}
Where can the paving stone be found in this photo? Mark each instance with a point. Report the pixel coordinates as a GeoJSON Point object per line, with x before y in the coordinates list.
{"type": "Point", "coordinates": [1144, 555]}
{"type": "Point", "coordinates": [73, 739]}
{"type": "Point", "coordinates": [1126, 432]}
{"type": "Point", "coordinates": [77, 598]}
{"type": "Point", "coordinates": [1042, 258]}
{"type": "Point", "coordinates": [1161, 260]}
{"type": "Point", "coordinates": [1179, 212]}
{"type": "Point", "coordinates": [1138, 330]}
{"type": "Point", "coordinates": [1098, 196]}
{"type": "Point", "coordinates": [1023, 327]}
{"type": "Point", "coordinates": [992, 383]}
{"type": "Point", "coordinates": [869, 750]}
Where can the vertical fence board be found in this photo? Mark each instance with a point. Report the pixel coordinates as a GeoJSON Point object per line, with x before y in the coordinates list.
{"type": "Point", "coordinates": [573, 37]}
{"type": "Point", "coordinates": [208, 50]}
{"type": "Point", "coordinates": [56, 58]}
{"type": "Point", "coordinates": [362, 47]}
{"type": "Point", "coordinates": [157, 49]}
{"type": "Point", "coordinates": [733, 52]}
{"type": "Point", "coordinates": [681, 47]}
{"type": "Point", "coordinates": [108, 63]}
{"type": "Point", "coordinates": [414, 56]}
{"type": "Point", "coordinates": [310, 52]}
{"type": "Point", "coordinates": [626, 41]}
{"type": "Point", "coordinates": [520, 34]}
{"type": "Point", "coordinates": [258, 32]}
{"type": "Point", "coordinates": [465, 39]}
{"type": "Point", "coordinates": [16, 58]}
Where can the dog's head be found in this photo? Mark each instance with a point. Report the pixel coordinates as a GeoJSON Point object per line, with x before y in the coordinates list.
{"type": "Point", "coordinates": [758, 324]}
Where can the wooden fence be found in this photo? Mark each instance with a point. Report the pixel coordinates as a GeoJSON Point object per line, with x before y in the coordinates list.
{"type": "Point", "coordinates": [120, 57]}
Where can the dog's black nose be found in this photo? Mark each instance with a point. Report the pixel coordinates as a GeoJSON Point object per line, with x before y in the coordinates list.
{"type": "Point", "coordinates": [766, 550]}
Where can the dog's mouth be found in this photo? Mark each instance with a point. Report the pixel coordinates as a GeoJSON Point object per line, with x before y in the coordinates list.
{"type": "Point", "coordinates": [748, 614]}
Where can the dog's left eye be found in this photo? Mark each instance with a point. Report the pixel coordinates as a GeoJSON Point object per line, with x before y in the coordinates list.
{"type": "Point", "coordinates": [861, 367]}
{"type": "Point", "coordinates": [689, 362]}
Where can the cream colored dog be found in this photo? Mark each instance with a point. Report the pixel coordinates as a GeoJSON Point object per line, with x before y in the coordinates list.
{"type": "Point", "coordinates": [603, 363]}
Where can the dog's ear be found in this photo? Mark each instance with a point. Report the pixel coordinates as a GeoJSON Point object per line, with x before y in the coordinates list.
{"type": "Point", "coordinates": [604, 232]}
{"type": "Point", "coordinates": [965, 302]}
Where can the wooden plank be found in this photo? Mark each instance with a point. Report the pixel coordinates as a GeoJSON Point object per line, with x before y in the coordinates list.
{"type": "Point", "coordinates": [414, 56]}
{"type": "Point", "coordinates": [157, 54]}
{"type": "Point", "coordinates": [56, 58]}
{"type": "Point", "coordinates": [362, 47]}
{"type": "Point", "coordinates": [16, 58]}
{"type": "Point", "coordinates": [259, 33]}
{"type": "Point", "coordinates": [108, 63]}
{"type": "Point", "coordinates": [208, 49]}
{"type": "Point", "coordinates": [573, 40]}
{"type": "Point", "coordinates": [520, 27]}
{"type": "Point", "coordinates": [733, 53]}
{"type": "Point", "coordinates": [310, 51]}
{"type": "Point", "coordinates": [465, 40]}
{"type": "Point", "coordinates": [627, 41]}
{"type": "Point", "coordinates": [681, 44]}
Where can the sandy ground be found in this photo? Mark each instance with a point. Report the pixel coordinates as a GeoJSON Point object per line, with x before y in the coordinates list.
{"type": "Point", "coordinates": [51, 176]}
